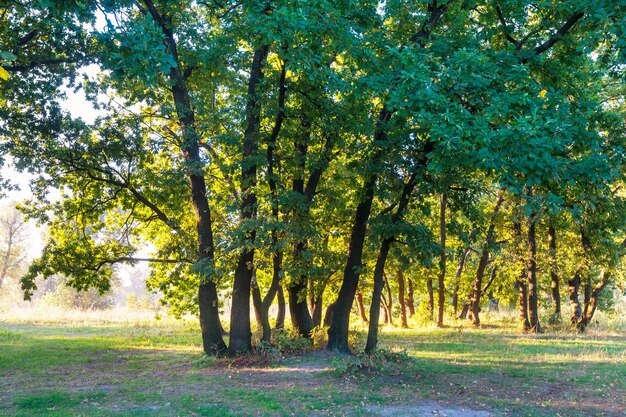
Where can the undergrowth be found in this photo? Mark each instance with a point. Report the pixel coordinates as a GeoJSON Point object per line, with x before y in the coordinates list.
{"type": "Point", "coordinates": [381, 362]}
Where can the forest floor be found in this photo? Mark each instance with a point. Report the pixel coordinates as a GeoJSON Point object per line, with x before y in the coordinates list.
{"type": "Point", "coordinates": [155, 368]}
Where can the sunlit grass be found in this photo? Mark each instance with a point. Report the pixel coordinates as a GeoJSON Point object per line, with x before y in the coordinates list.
{"type": "Point", "coordinates": [124, 363]}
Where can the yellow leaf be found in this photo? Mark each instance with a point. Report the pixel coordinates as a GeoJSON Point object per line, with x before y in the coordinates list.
{"type": "Point", "coordinates": [543, 93]}
{"type": "Point", "coordinates": [4, 74]}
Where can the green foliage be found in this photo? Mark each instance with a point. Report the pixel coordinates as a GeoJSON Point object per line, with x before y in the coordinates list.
{"type": "Point", "coordinates": [519, 99]}
{"type": "Point", "coordinates": [381, 362]}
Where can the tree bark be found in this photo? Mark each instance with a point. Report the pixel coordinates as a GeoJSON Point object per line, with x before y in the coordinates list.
{"type": "Point", "coordinates": [240, 334]}
{"type": "Point", "coordinates": [377, 296]}
{"type": "Point", "coordinates": [431, 298]}
{"type": "Point", "coordinates": [361, 307]}
{"type": "Point", "coordinates": [257, 302]}
{"type": "Point", "coordinates": [328, 316]}
{"type": "Point", "coordinates": [410, 299]}
{"type": "Point", "coordinates": [573, 285]}
{"type": "Point", "coordinates": [531, 266]}
{"type": "Point", "coordinates": [554, 277]}
{"type": "Point", "coordinates": [403, 319]}
{"type": "Point", "coordinates": [383, 303]}
{"type": "Point", "coordinates": [591, 301]}
{"type": "Point", "coordinates": [280, 315]}
{"type": "Point", "coordinates": [389, 299]}
{"type": "Point", "coordinates": [520, 283]}
{"type": "Point", "coordinates": [442, 260]}
{"type": "Point", "coordinates": [317, 309]}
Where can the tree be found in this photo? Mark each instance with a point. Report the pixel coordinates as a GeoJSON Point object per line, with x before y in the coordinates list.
{"type": "Point", "coordinates": [14, 235]}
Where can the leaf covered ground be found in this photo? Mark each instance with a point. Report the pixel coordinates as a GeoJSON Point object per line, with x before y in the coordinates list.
{"type": "Point", "coordinates": [157, 369]}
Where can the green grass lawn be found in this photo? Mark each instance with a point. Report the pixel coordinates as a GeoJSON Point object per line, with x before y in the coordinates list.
{"type": "Point", "coordinates": [157, 369]}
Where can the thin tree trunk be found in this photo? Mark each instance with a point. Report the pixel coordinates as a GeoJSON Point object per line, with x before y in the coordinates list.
{"type": "Point", "coordinates": [361, 307]}
{"type": "Point", "coordinates": [240, 334]}
{"type": "Point", "coordinates": [280, 316]}
{"type": "Point", "coordinates": [457, 277]}
{"type": "Point", "coordinates": [401, 299]}
{"type": "Point", "coordinates": [13, 225]}
{"type": "Point", "coordinates": [257, 302]}
{"type": "Point", "coordinates": [442, 260]}
{"type": "Point", "coordinates": [490, 238]}
{"type": "Point", "coordinates": [383, 303]}
{"type": "Point", "coordinates": [410, 299]}
{"type": "Point", "coordinates": [465, 309]}
{"type": "Point", "coordinates": [591, 301]}
{"type": "Point", "coordinates": [554, 277]}
{"type": "Point", "coordinates": [431, 298]}
{"type": "Point", "coordinates": [390, 300]}
{"type": "Point", "coordinates": [317, 309]}
{"type": "Point", "coordinates": [533, 313]}
{"type": "Point", "coordinates": [520, 282]}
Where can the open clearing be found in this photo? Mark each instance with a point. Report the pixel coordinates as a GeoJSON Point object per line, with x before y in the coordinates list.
{"type": "Point", "coordinates": [156, 369]}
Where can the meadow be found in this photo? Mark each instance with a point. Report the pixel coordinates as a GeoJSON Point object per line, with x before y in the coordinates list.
{"type": "Point", "coordinates": [128, 364]}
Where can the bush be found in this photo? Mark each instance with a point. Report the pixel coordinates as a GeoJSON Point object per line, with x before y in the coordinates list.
{"type": "Point", "coordinates": [380, 362]}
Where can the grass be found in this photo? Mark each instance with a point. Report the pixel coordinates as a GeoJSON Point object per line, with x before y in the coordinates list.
{"type": "Point", "coordinates": [114, 366]}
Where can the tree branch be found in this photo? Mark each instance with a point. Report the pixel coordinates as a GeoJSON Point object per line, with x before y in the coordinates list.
{"type": "Point", "coordinates": [559, 33]}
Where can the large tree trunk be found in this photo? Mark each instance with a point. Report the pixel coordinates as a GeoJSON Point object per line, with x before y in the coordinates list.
{"type": "Point", "coordinates": [554, 277]}
{"type": "Point", "coordinates": [360, 307]}
{"type": "Point", "coordinates": [401, 301]}
{"type": "Point", "coordinates": [442, 260]}
{"type": "Point", "coordinates": [240, 335]}
{"type": "Point", "coordinates": [490, 238]}
{"type": "Point", "coordinates": [210, 325]}
{"type": "Point", "coordinates": [531, 266]}
{"type": "Point", "coordinates": [410, 299]}
{"type": "Point", "coordinates": [339, 327]}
